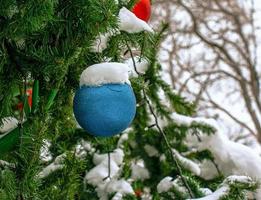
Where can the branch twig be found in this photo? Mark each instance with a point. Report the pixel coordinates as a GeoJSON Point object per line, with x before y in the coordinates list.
{"type": "Point", "coordinates": [161, 131]}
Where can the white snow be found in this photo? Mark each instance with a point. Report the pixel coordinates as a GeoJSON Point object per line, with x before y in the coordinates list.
{"type": "Point", "coordinates": [132, 24]}
{"type": "Point", "coordinates": [45, 154]}
{"type": "Point", "coordinates": [4, 163]}
{"type": "Point", "coordinates": [208, 170]}
{"type": "Point", "coordinates": [50, 169]}
{"type": "Point", "coordinates": [179, 186]}
{"type": "Point", "coordinates": [151, 150]}
{"type": "Point", "coordinates": [105, 73]}
{"type": "Point", "coordinates": [87, 146]}
{"type": "Point", "coordinates": [96, 175]}
{"type": "Point", "coordinates": [127, 22]}
{"type": "Point", "coordinates": [146, 195]}
{"type": "Point", "coordinates": [165, 184]}
{"type": "Point", "coordinates": [120, 186]}
{"type": "Point", "coordinates": [225, 187]}
{"type": "Point", "coordinates": [221, 192]}
{"type": "Point", "coordinates": [101, 42]}
{"type": "Point", "coordinates": [139, 170]}
{"type": "Point", "coordinates": [9, 123]}
{"type": "Point", "coordinates": [206, 191]}
{"type": "Point", "coordinates": [117, 196]}
{"type": "Point", "coordinates": [186, 163]}
{"type": "Point", "coordinates": [117, 156]}
{"type": "Point", "coordinates": [163, 158]}
{"type": "Point", "coordinates": [188, 121]}
{"type": "Point", "coordinates": [57, 164]}
{"type": "Point", "coordinates": [123, 138]}
{"type": "Point", "coordinates": [83, 148]}
{"type": "Point", "coordinates": [141, 65]}
{"type": "Point", "coordinates": [231, 158]}
{"type": "Point", "coordinates": [60, 159]}
{"type": "Point", "coordinates": [133, 144]}
{"type": "Point", "coordinates": [101, 190]}
{"type": "Point", "coordinates": [239, 179]}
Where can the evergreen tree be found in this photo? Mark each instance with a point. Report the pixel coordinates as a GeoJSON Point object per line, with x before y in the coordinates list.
{"type": "Point", "coordinates": [45, 46]}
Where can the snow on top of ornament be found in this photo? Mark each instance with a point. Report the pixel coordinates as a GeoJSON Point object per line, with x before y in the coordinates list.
{"type": "Point", "coordinates": [9, 123]}
{"type": "Point", "coordinates": [105, 73]}
{"type": "Point", "coordinates": [132, 24]}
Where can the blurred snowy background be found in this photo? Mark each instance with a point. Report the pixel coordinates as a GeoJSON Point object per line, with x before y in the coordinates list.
{"type": "Point", "coordinates": [212, 55]}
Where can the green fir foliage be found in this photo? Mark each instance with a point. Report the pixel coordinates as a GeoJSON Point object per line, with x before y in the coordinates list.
{"type": "Point", "coordinates": [46, 45]}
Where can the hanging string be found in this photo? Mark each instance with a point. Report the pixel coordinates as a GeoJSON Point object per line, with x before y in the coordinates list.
{"type": "Point", "coordinates": [109, 160]}
{"type": "Point", "coordinates": [173, 156]}
{"type": "Point", "coordinates": [109, 166]}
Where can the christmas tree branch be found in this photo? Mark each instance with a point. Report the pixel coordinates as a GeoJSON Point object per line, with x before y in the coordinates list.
{"type": "Point", "coordinates": [173, 156]}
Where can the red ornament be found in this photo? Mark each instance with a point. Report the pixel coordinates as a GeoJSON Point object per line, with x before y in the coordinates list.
{"type": "Point", "coordinates": [29, 93]}
{"type": "Point", "coordinates": [142, 10]}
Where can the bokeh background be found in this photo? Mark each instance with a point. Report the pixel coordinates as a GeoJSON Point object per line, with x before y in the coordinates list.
{"type": "Point", "coordinates": [211, 55]}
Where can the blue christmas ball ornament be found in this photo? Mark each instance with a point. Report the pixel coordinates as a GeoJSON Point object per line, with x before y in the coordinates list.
{"type": "Point", "coordinates": [105, 103]}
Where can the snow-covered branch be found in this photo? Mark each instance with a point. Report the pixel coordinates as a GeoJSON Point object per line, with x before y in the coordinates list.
{"type": "Point", "coordinates": [243, 182]}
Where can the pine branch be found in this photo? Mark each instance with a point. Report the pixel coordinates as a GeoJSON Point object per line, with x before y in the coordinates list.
{"type": "Point", "coordinates": [173, 156]}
